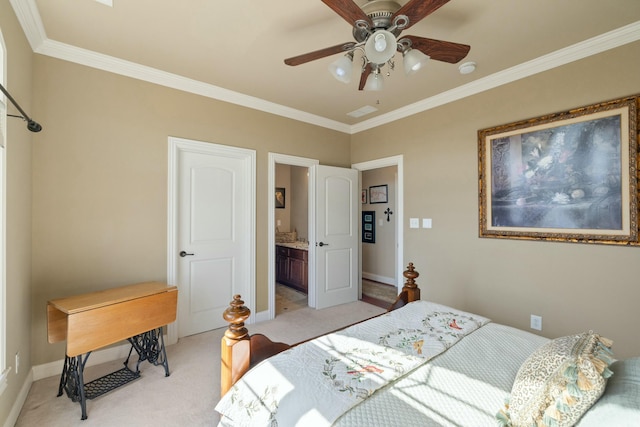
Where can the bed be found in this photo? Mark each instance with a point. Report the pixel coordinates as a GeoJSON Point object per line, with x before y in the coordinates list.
{"type": "Point", "coordinates": [424, 364]}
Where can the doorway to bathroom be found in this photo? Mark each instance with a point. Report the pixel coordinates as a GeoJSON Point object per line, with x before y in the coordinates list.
{"type": "Point", "coordinates": [291, 212]}
{"type": "Point", "coordinates": [333, 224]}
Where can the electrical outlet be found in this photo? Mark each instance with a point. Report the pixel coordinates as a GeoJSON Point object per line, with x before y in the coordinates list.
{"type": "Point", "coordinates": [17, 362]}
{"type": "Point", "coordinates": [536, 322]}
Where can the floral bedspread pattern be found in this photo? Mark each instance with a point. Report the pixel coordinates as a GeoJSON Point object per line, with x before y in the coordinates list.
{"type": "Point", "coordinates": [316, 382]}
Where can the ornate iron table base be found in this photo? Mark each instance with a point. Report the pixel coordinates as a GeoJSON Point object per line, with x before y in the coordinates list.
{"type": "Point", "coordinates": [149, 346]}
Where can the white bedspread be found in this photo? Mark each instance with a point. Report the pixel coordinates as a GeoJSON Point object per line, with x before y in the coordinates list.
{"type": "Point", "coordinates": [462, 387]}
{"type": "Point", "coordinates": [316, 382]}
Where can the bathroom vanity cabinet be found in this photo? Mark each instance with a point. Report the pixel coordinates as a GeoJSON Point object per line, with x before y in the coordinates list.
{"type": "Point", "coordinates": [292, 266]}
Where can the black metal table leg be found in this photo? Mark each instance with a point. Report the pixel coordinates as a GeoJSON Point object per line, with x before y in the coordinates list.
{"type": "Point", "coordinates": [63, 376]}
{"type": "Point", "coordinates": [72, 381]}
{"type": "Point", "coordinates": [149, 346]}
{"type": "Point", "coordinates": [80, 376]}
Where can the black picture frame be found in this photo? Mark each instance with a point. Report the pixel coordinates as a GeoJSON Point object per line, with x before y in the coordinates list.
{"type": "Point", "coordinates": [368, 226]}
{"type": "Point", "coordinates": [280, 198]}
{"type": "Point", "coordinates": [378, 194]}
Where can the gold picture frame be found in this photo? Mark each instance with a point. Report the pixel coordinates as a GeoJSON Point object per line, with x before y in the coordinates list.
{"type": "Point", "coordinates": [567, 177]}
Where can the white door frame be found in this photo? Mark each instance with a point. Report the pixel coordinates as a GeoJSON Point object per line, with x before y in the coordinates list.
{"type": "Point", "coordinates": [399, 209]}
{"type": "Point", "coordinates": [175, 145]}
{"type": "Point", "coordinates": [271, 226]}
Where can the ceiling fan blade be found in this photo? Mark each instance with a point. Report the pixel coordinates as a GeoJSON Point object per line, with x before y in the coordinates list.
{"type": "Point", "coordinates": [312, 56]}
{"type": "Point", "coordinates": [365, 74]}
{"type": "Point", "coordinates": [349, 11]}
{"type": "Point", "coordinates": [439, 50]}
{"type": "Point", "coordinates": [416, 10]}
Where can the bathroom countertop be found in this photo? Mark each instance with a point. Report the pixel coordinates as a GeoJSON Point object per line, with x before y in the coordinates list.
{"type": "Point", "coordinates": [295, 245]}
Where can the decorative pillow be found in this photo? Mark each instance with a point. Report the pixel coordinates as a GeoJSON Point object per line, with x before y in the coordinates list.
{"type": "Point", "coordinates": [559, 382]}
{"type": "Point", "coordinates": [620, 403]}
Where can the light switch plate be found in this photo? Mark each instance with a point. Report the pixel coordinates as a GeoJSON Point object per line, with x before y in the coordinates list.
{"type": "Point", "coordinates": [426, 222]}
{"type": "Point", "coordinates": [536, 322]}
{"type": "Point", "coordinates": [414, 222]}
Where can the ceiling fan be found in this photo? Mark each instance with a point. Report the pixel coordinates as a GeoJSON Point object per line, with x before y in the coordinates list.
{"type": "Point", "coordinates": [376, 28]}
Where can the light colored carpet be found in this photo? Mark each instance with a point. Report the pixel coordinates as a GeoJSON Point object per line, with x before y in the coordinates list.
{"type": "Point", "coordinates": [188, 396]}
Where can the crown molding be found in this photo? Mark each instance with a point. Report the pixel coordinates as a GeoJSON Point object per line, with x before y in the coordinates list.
{"type": "Point", "coordinates": [153, 75]}
{"type": "Point", "coordinates": [29, 18]}
{"type": "Point", "coordinates": [616, 38]}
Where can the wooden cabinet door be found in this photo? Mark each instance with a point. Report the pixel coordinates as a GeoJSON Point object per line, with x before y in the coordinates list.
{"type": "Point", "coordinates": [297, 274]}
{"type": "Point", "coordinates": [282, 264]}
{"type": "Point", "coordinates": [298, 269]}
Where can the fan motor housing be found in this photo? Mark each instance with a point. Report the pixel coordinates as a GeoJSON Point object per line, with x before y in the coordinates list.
{"type": "Point", "coordinates": [380, 12]}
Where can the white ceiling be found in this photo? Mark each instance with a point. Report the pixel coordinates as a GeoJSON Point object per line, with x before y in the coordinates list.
{"type": "Point", "coordinates": [234, 50]}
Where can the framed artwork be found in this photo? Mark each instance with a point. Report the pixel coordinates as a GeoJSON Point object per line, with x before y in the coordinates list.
{"type": "Point", "coordinates": [363, 196]}
{"type": "Point", "coordinates": [569, 177]}
{"type": "Point", "coordinates": [378, 194]}
{"type": "Point", "coordinates": [369, 226]}
{"type": "Point", "coordinates": [280, 197]}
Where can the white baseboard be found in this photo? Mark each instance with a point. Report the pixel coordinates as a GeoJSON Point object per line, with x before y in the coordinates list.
{"type": "Point", "coordinates": [19, 402]}
{"type": "Point", "coordinates": [262, 316]}
{"type": "Point", "coordinates": [55, 368]}
{"type": "Point", "coordinates": [377, 278]}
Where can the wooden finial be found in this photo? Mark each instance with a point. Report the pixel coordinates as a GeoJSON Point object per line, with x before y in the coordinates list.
{"type": "Point", "coordinates": [410, 291]}
{"type": "Point", "coordinates": [410, 274]}
{"type": "Point", "coordinates": [236, 314]}
{"type": "Point", "coordinates": [410, 285]}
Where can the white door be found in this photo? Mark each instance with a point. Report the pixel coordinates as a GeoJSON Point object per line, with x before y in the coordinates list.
{"type": "Point", "coordinates": [336, 236]}
{"type": "Point", "coordinates": [214, 233]}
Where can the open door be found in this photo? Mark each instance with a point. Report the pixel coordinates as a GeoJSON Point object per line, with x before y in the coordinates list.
{"type": "Point", "coordinates": [335, 242]}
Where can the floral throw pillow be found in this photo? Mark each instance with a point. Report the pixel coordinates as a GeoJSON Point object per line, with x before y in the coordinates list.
{"type": "Point", "coordinates": [559, 382]}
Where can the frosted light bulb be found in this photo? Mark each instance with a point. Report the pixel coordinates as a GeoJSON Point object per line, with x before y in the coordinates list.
{"type": "Point", "coordinates": [380, 43]}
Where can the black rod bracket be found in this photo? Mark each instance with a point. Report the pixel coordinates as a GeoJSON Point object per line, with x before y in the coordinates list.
{"type": "Point", "coordinates": [32, 125]}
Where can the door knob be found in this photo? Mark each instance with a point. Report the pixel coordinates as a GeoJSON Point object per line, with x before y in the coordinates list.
{"type": "Point", "coordinates": [323, 244]}
{"type": "Point", "coordinates": [184, 254]}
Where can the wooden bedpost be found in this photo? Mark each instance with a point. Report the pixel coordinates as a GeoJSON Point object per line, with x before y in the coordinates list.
{"type": "Point", "coordinates": [235, 346]}
{"type": "Point", "coordinates": [410, 291]}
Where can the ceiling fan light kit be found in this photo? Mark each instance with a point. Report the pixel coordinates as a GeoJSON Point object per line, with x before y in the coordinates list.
{"type": "Point", "coordinates": [375, 81]}
{"type": "Point", "coordinates": [380, 47]}
{"type": "Point", "coordinates": [413, 60]}
{"type": "Point", "coordinates": [341, 68]}
{"type": "Point", "coordinates": [376, 29]}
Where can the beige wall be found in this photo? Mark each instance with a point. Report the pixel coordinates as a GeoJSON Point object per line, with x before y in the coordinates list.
{"type": "Point", "coordinates": [299, 199]}
{"type": "Point", "coordinates": [574, 287]}
{"type": "Point", "coordinates": [18, 154]}
{"type": "Point", "coordinates": [100, 178]}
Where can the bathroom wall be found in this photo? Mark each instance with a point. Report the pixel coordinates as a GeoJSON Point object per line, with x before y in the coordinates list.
{"type": "Point", "coordinates": [283, 216]}
{"type": "Point", "coordinates": [299, 197]}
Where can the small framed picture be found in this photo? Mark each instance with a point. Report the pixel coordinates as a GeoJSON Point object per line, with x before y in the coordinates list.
{"type": "Point", "coordinates": [363, 196]}
{"type": "Point", "coordinates": [368, 226]}
{"type": "Point", "coordinates": [378, 194]}
{"type": "Point", "coordinates": [280, 197]}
